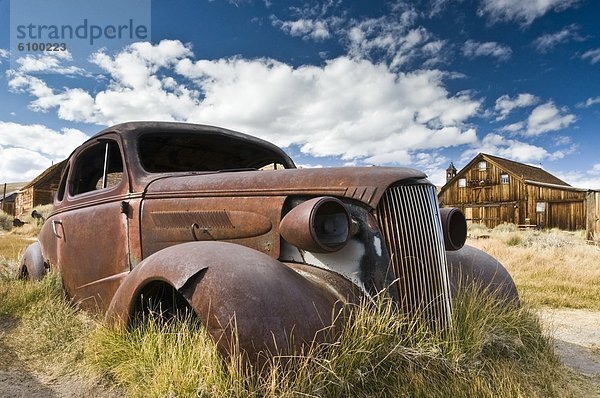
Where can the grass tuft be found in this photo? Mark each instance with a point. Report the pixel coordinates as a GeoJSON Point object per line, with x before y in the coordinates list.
{"type": "Point", "coordinates": [476, 230]}
{"type": "Point", "coordinates": [493, 350]}
{"type": "Point", "coordinates": [6, 221]}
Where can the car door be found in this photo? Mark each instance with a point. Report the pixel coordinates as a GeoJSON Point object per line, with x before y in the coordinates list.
{"type": "Point", "coordinates": [92, 231]}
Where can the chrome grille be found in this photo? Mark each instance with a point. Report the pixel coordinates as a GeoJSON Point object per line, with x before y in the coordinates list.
{"type": "Point", "coordinates": [409, 219]}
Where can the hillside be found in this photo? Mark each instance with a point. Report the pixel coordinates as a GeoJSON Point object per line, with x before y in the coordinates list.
{"type": "Point", "coordinates": [11, 186]}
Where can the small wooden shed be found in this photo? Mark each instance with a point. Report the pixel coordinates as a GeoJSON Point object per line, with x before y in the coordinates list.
{"type": "Point", "coordinates": [7, 203]}
{"type": "Point", "coordinates": [493, 190]}
{"type": "Point", "coordinates": [39, 191]}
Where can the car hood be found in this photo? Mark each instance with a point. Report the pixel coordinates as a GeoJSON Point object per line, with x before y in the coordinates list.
{"type": "Point", "coordinates": [366, 184]}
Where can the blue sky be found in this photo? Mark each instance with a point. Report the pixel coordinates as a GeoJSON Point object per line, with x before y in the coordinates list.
{"type": "Point", "coordinates": [401, 83]}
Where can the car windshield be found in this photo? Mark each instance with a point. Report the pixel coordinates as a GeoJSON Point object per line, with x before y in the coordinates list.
{"type": "Point", "coordinates": [203, 152]}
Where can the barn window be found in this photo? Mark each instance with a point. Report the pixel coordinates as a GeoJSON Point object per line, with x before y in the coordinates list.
{"type": "Point", "coordinates": [504, 179]}
{"type": "Point", "coordinates": [462, 182]}
{"type": "Point", "coordinates": [483, 165]}
{"type": "Point", "coordinates": [540, 207]}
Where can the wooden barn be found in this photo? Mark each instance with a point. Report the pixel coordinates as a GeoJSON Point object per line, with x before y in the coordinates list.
{"type": "Point", "coordinates": [40, 191]}
{"type": "Point", "coordinates": [492, 190]}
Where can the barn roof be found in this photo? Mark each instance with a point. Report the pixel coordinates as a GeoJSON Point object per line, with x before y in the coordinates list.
{"type": "Point", "coordinates": [525, 171]}
{"type": "Point", "coordinates": [51, 171]}
{"type": "Point", "coordinates": [10, 196]}
{"type": "Point", "coordinates": [528, 174]}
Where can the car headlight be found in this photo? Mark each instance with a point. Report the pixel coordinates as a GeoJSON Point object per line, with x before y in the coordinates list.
{"type": "Point", "coordinates": [454, 226]}
{"type": "Point", "coordinates": [320, 225]}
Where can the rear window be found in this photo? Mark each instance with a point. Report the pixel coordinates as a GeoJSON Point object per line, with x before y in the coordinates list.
{"type": "Point", "coordinates": [186, 152]}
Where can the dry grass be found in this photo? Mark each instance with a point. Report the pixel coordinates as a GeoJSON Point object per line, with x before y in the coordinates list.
{"type": "Point", "coordinates": [32, 225]}
{"type": "Point", "coordinates": [551, 268]}
{"type": "Point", "coordinates": [11, 246]}
{"type": "Point", "coordinates": [493, 351]}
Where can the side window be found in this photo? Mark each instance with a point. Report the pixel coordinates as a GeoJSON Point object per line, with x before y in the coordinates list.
{"type": "Point", "coordinates": [60, 194]}
{"type": "Point", "coordinates": [98, 167]}
{"type": "Point", "coordinates": [273, 166]}
{"type": "Point", "coordinates": [462, 182]}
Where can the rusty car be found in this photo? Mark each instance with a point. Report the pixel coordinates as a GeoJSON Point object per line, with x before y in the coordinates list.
{"type": "Point", "coordinates": [185, 215]}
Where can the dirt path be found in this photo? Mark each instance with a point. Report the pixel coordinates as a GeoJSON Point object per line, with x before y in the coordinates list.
{"type": "Point", "coordinates": [17, 380]}
{"type": "Point", "coordinates": [577, 341]}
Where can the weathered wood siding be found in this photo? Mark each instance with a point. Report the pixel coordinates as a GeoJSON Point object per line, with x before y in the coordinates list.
{"type": "Point", "coordinates": [483, 186]}
{"type": "Point", "coordinates": [8, 207]}
{"type": "Point", "coordinates": [491, 200]}
{"type": "Point", "coordinates": [593, 215]}
{"type": "Point", "coordinates": [36, 195]}
{"type": "Point", "coordinates": [24, 202]}
{"type": "Point", "coordinates": [564, 208]}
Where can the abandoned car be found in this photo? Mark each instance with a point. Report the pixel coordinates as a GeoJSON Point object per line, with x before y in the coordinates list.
{"type": "Point", "coordinates": [224, 223]}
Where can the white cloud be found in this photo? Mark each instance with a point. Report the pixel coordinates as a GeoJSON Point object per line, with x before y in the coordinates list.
{"type": "Point", "coordinates": [56, 145]}
{"type": "Point", "coordinates": [589, 102]}
{"type": "Point", "coordinates": [495, 144]}
{"type": "Point", "coordinates": [27, 150]}
{"type": "Point", "coordinates": [547, 117]}
{"type": "Point", "coordinates": [436, 7]}
{"type": "Point", "coordinates": [579, 179]}
{"type": "Point", "coordinates": [395, 35]}
{"type": "Point", "coordinates": [522, 11]}
{"type": "Point", "coordinates": [562, 140]}
{"type": "Point", "coordinates": [548, 41]}
{"type": "Point", "coordinates": [505, 104]}
{"type": "Point", "coordinates": [474, 49]}
{"type": "Point", "coordinates": [135, 92]}
{"type": "Point", "coordinates": [349, 108]}
{"type": "Point", "coordinates": [306, 28]}
{"type": "Point", "coordinates": [592, 55]}
{"type": "Point", "coordinates": [514, 127]}
{"type": "Point", "coordinates": [4, 54]}
{"type": "Point", "coordinates": [20, 165]}
{"type": "Point", "coordinates": [48, 62]}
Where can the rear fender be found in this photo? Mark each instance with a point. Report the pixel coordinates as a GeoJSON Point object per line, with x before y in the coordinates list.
{"type": "Point", "coordinates": [471, 266]}
{"type": "Point", "coordinates": [232, 287]}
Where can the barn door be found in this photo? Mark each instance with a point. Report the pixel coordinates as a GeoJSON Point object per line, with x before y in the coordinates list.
{"type": "Point", "coordinates": [568, 216]}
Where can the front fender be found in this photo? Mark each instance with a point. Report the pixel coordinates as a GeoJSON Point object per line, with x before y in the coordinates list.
{"type": "Point", "coordinates": [231, 286]}
{"type": "Point", "coordinates": [32, 265]}
{"type": "Point", "coordinates": [471, 266]}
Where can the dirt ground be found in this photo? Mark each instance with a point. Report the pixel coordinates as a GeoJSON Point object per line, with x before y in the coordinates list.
{"type": "Point", "coordinates": [18, 380]}
{"type": "Point", "coordinates": [576, 336]}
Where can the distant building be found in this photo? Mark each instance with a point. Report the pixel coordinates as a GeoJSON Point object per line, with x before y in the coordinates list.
{"type": "Point", "coordinates": [40, 191]}
{"type": "Point", "coordinates": [492, 190]}
{"type": "Point", "coordinates": [7, 204]}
